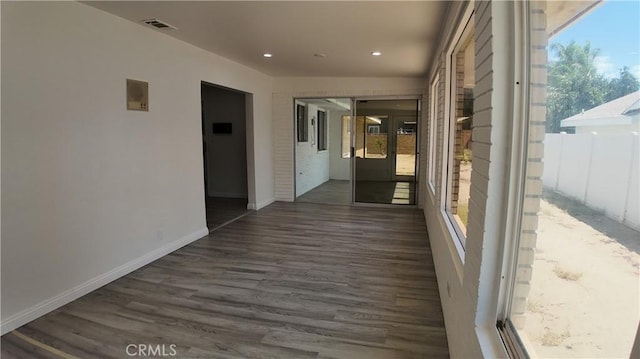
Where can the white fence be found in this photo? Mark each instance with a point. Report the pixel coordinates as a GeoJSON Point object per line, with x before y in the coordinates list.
{"type": "Point", "coordinates": [599, 170]}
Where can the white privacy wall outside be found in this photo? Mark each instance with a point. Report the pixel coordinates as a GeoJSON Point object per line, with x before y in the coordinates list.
{"type": "Point", "coordinates": [599, 170]}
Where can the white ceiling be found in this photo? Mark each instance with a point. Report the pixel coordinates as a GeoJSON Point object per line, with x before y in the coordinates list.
{"type": "Point", "coordinates": [293, 31]}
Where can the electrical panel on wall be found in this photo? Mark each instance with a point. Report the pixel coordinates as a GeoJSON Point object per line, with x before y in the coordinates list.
{"type": "Point", "coordinates": [137, 95]}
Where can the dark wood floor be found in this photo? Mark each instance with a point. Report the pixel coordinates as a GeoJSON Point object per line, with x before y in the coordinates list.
{"type": "Point", "coordinates": [222, 210]}
{"type": "Point", "coordinates": [330, 192]}
{"type": "Point", "coordinates": [294, 280]}
{"type": "Point", "coordinates": [385, 192]}
{"type": "Point", "coordinates": [381, 192]}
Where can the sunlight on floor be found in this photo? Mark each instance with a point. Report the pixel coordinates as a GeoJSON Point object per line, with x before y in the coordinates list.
{"type": "Point", "coordinates": [402, 193]}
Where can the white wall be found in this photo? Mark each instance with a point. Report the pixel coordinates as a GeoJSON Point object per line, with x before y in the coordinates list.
{"type": "Point", "coordinates": [312, 166]}
{"type": "Point", "coordinates": [634, 127]}
{"type": "Point", "coordinates": [339, 168]}
{"type": "Point", "coordinates": [599, 170]}
{"type": "Point", "coordinates": [91, 191]}
{"type": "Point", "coordinates": [226, 153]}
{"type": "Point", "coordinates": [286, 89]}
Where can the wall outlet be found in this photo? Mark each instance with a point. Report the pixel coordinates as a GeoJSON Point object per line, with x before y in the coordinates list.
{"type": "Point", "coordinates": [160, 236]}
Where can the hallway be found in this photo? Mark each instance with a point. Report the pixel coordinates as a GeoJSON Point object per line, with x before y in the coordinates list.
{"type": "Point", "coordinates": [293, 280]}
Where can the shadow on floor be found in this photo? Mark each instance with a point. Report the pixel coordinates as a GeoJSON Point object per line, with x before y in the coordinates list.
{"type": "Point", "coordinates": [385, 192]}
{"type": "Point", "coordinates": [330, 192]}
{"type": "Point", "coordinates": [624, 235]}
{"type": "Point", "coordinates": [222, 210]}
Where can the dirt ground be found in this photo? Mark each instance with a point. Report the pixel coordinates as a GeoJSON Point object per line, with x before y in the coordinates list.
{"type": "Point", "coordinates": [405, 165]}
{"type": "Point", "coordinates": [584, 299]}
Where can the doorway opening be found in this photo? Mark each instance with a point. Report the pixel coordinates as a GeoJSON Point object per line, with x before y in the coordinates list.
{"type": "Point", "coordinates": [385, 151]}
{"type": "Point", "coordinates": [322, 166]}
{"type": "Point", "coordinates": [356, 151]}
{"type": "Point", "coordinates": [224, 144]}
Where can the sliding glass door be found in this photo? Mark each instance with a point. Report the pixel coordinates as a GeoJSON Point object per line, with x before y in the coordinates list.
{"type": "Point", "coordinates": [384, 151]}
{"type": "Point", "coordinates": [355, 150]}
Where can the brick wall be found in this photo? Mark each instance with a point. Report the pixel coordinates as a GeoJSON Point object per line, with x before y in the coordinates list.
{"type": "Point", "coordinates": [458, 140]}
{"type": "Point", "coordinates": [469, 278]}
{"type": "Point", "coordinates": [406, 143]}
{"type": "Point", "coordinates": [533, 188]}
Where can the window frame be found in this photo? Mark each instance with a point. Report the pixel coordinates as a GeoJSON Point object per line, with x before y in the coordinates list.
{"type": "Point", "coordinates": [323, 141]}
{"type": "Point", "coordinates": [302, 123]}
{"type": "Point", "coordinates": [463, 32]}
{"type": "Point", "coordinates": [345, 123]}
{"type": "Point", "coordinates": [433, 134]}
{"type": "Point", "coordinates": [516, 182]}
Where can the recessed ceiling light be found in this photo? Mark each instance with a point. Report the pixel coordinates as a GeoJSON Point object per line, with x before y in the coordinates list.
{"type": "Point", "coordinates": [376, 53]}
{"type": "Point", "coordinates": [267, 55]}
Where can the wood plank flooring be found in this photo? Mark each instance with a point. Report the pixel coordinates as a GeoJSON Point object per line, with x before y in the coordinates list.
{"type": "Point", "coordinates": [381, 192]}
{"type": "Point", "coordinates": [330, 192]}
{"type": "Point", "coordinates": [222, 210]}
{"type": "Point", "coordinates": [294, 280]}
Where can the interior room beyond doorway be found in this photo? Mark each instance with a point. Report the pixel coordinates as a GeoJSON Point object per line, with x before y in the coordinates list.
{"type": "Point", "coordinates": [224, 136]}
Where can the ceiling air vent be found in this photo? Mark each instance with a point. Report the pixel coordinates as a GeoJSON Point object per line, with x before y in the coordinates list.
{"type": "Point", "coordinates": [159, 24]}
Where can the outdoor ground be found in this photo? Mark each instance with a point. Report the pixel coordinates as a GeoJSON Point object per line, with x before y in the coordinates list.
{"type": "Point", "coordinates": [584, 299]}
{"type": "Point", "coordinates": [405, 165]}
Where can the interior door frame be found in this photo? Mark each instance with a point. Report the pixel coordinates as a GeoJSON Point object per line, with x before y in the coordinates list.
{"type": "Point", "coordinates": [295, 138]}
{"type": "Point", "coordinates": [353, 180]}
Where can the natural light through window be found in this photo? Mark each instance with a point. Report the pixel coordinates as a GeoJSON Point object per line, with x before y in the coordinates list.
{"type": "Point", "coordinates": [576, 287]}
{"type": "Point", "coordinates": [346, 137]}
{"type": "Point", "coordinates": [461, 120]}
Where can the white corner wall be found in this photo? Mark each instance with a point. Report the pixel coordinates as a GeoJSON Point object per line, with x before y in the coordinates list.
{"type": "Point", "coordinates": [339, 168]}
{"type": "Point", "coordinates": [312, 166]}
{"type": "Point", "coordinates": [91, 191]}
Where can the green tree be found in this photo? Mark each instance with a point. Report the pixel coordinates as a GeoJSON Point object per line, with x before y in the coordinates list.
{"type": "Point", "coordinates": [622, 85]}
{"type": "Point", "coordinates": [574, 83]}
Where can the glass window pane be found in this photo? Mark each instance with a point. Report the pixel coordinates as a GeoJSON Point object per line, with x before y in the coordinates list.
{"type": "Point", "coordinates": [322, 130]}
{"type": "Point", "coordinates": [460, 155]}
{"type": "Point", "coordinates": [346, 137]}
{"type": "Point", "coordinates": [577, 283]}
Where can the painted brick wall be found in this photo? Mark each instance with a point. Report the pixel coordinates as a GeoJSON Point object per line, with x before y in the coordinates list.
{"type": "Point", "coordinates": [283, 142]}
{"type": "Point", "coordinates": [469, 282]}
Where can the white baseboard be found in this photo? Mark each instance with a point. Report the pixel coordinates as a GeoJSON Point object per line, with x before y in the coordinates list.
{"type": "Point", "coordinates": [260, 205]}
{"type": "Point", "coordinates": [19, 319]}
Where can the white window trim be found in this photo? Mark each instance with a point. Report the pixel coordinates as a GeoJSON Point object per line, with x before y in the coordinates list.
{"type": "Point", "coordinates": [461, 31]}
{"type": "Point", "coordinates": [433, 129]}
{"type": "Point", "coordinates": [518, 160]}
